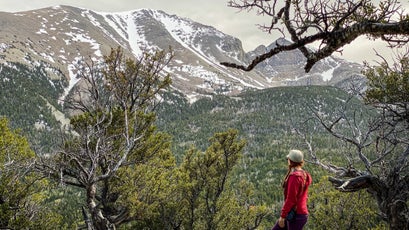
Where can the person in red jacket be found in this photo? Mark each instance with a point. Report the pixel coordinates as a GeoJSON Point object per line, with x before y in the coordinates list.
{"type": "Point", "coordinates": [295, 185]}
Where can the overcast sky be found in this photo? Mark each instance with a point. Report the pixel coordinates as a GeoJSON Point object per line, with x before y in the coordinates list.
{"type": "Point", "coordinates": [242, 25]}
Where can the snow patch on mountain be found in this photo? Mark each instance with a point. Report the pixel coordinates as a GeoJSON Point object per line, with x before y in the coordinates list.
{"type": "Point", "coordinates": [127, 26]}
{"type": "Point", "coordinates": [134, 37]}
{"type": "Point", "coordinates": [182, 32]}
{"type": "Point", "coordinates": [42, 31]}
{"type": "Point", "coordinates": [81, 37]}
{"type": "Point", "coordinates": [327, 75]}
{"type": "Point", "coordinates": [48, 56]}
{"type": "Point", "coordinates": [72, 68]}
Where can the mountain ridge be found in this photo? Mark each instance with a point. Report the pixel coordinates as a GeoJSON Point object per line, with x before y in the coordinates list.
{"type": "Point", "coordinates": [60, 37]}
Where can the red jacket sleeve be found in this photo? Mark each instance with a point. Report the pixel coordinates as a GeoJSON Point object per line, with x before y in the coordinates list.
{"type": "Point", "coordinates": [291, 193]}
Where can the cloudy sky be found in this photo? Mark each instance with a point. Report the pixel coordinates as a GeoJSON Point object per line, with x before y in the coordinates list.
{"type": "Point", "coordinates": [242, 25]}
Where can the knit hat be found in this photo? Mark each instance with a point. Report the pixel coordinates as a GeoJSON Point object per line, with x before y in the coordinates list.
{"type": "Point", "coordinates": [296, 156]}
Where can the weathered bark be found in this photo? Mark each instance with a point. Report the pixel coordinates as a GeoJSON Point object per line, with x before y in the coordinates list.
{"type": "Point", "coordinates": [99, 221]}
{"type": "Point", "coordinates": [392, 196]}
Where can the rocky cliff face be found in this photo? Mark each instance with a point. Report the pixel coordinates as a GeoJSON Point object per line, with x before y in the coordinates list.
{"type": "Point", "coordinates": [56, 39]}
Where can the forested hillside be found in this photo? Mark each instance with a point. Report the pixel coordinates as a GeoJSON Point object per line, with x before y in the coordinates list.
{"type": "Point", "coordinates": [267, 120]}
{"type": "Point", "coordinates": [28, 98]}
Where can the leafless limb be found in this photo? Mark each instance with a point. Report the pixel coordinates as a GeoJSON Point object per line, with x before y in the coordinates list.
{"type": "Point", "coordinates": [332, 24]}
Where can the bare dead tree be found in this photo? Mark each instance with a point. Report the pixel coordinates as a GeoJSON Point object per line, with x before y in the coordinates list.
{"type": "Point", "coordinates": [332, 24]}
{"type": "Point", "coordinates": [376, 160]}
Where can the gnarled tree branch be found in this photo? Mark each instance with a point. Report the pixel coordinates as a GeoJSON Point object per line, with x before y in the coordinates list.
{"type": "Point", "coordinates": [332, 25]}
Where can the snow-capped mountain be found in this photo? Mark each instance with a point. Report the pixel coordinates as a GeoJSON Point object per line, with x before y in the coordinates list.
{"type": "Point", "coordinates": [57, 38]}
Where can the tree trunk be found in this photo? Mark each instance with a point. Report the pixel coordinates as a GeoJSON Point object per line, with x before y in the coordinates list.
{"type": "Point", "coordinates": [392, 201]}
{"type": "Point", "coordinates": [391, 196]}
{"type": "Point", "coordinates": [398, 215]}
{"type": "Point", "coordinates": [99, 221]}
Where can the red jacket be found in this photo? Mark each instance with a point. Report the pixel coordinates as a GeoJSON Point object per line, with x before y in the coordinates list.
{"type": "Point", "coordinates": [296, 192]}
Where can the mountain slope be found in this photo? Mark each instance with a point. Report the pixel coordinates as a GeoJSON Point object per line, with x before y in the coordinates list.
{"type": "Point", "coordinates": [60, 37]}
{"type": "Point", "coordinates": [42, 51]}
{"type": "Point", "coordinates": [287, 68]}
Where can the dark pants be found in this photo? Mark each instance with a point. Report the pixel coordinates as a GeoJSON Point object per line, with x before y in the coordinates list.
{"type": "Point", "coordinates": [298, 224]}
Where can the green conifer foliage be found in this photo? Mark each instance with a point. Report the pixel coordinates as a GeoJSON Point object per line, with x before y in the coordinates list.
{"type": "Point", "coordinates": [21, 195]}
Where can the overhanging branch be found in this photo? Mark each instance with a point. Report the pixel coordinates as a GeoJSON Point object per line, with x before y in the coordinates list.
{"type": "Point", "coordinates": [333, 41]}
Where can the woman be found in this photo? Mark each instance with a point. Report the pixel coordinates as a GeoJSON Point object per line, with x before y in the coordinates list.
{"type": "Point", "coordinates": [295, 187]}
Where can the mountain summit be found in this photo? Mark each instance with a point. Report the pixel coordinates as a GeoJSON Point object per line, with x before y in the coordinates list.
{"type": "Point", "coordinates": [56, 39]}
